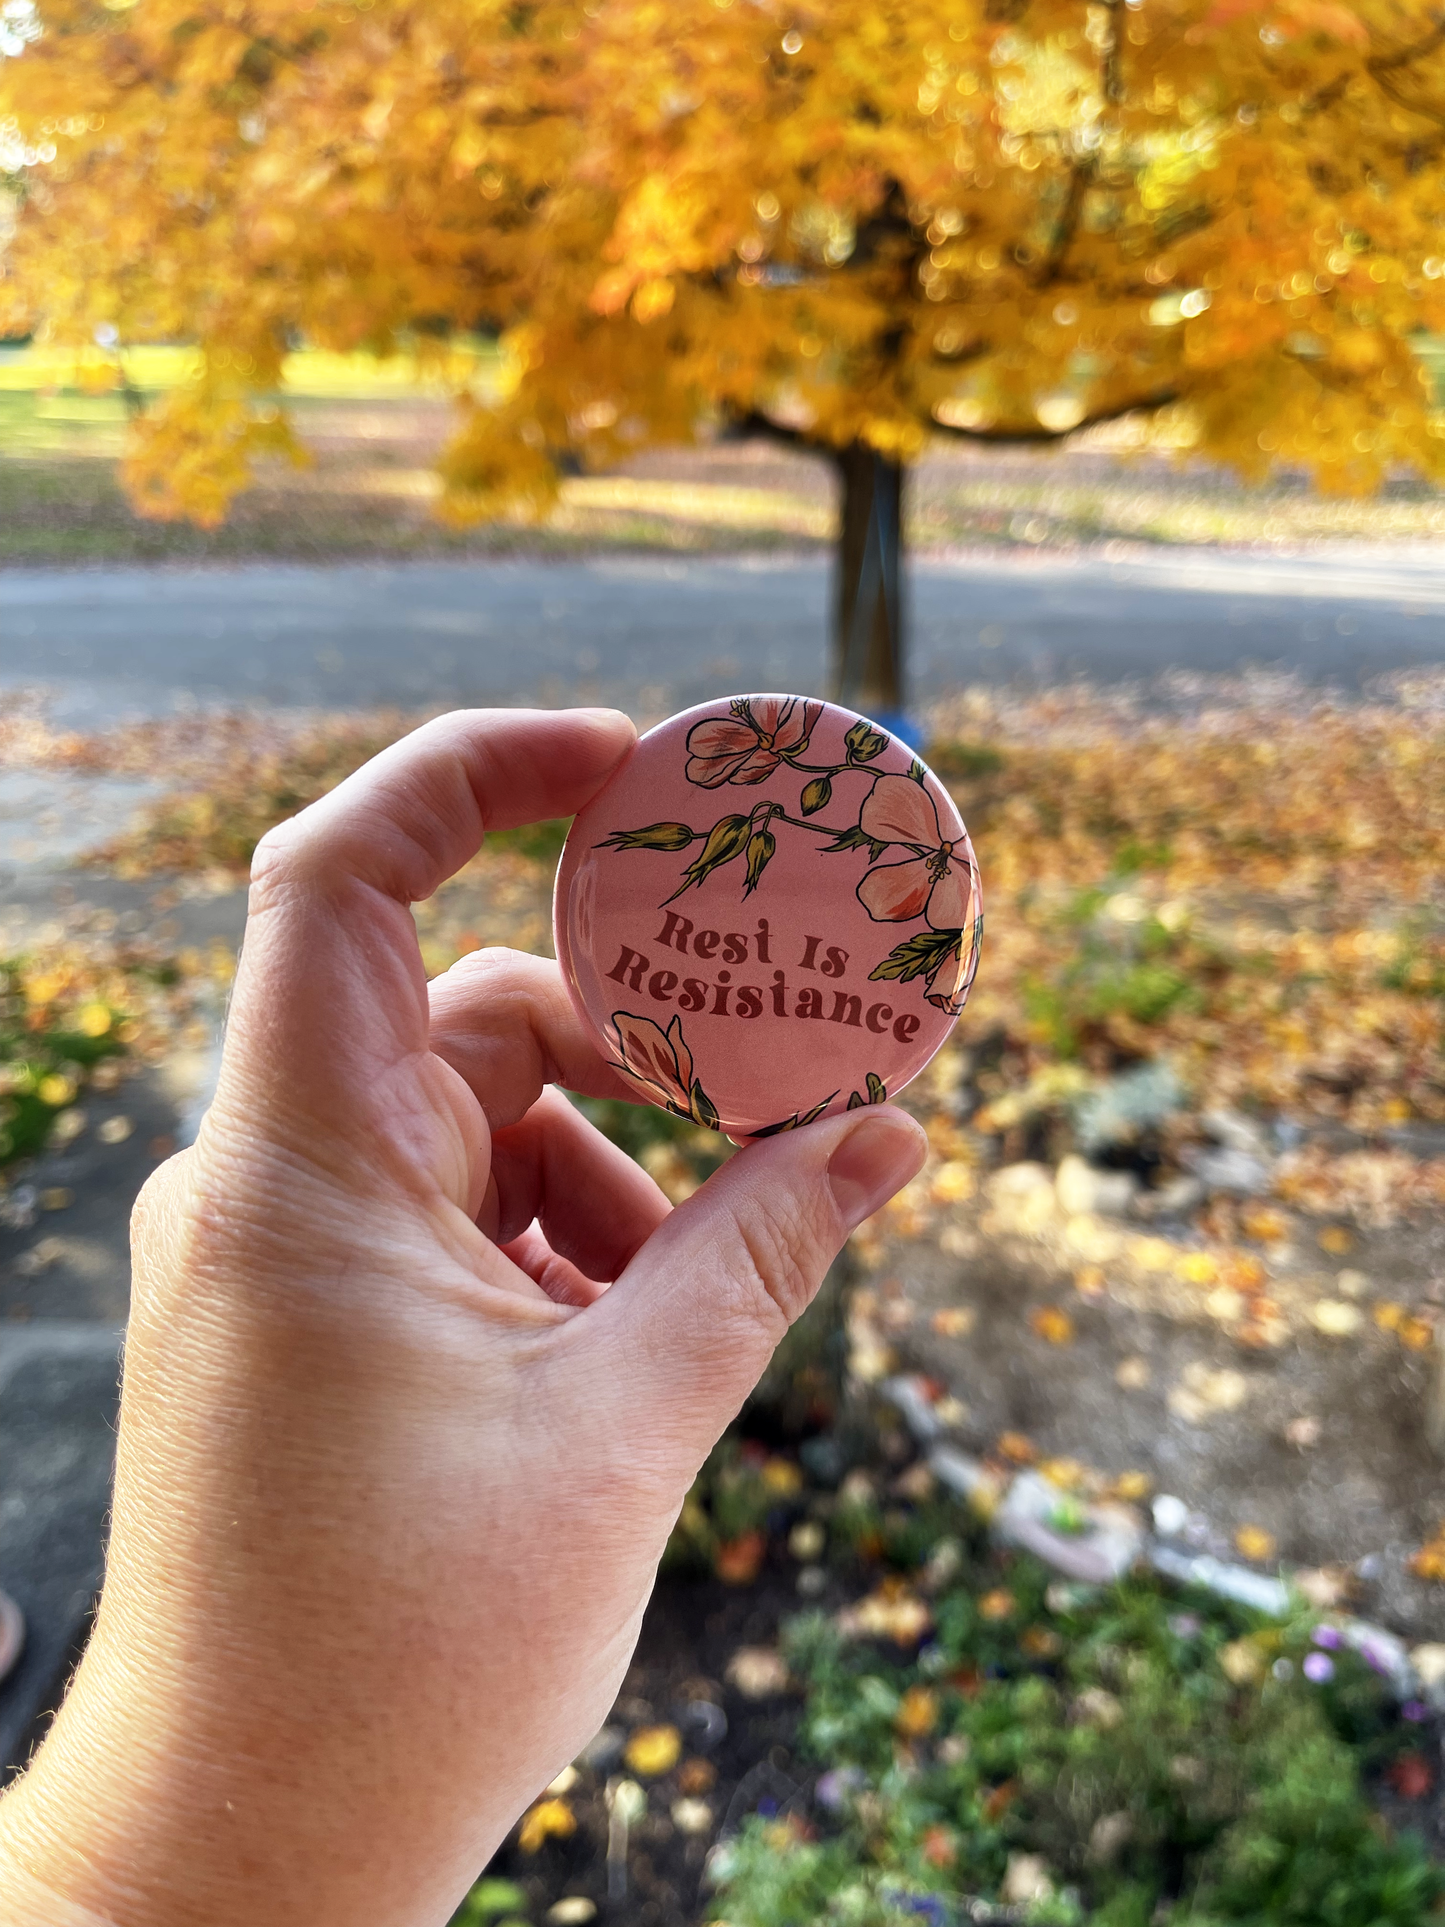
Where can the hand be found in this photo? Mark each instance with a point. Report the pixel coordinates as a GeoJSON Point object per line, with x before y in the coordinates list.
{"type": "Point", "coordinates": [396, 1461]}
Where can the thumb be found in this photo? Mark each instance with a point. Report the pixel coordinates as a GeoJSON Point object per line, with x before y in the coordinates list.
{"type": "Point", "coordinates": [694, 1319]}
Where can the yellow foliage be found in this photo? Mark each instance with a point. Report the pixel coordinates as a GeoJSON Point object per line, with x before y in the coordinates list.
{"type": "Point", "coordinates": [654, 1750]}
{"type": "Point", "coordinates": [895, 218]}
{"type": "Point", "coordinates": [548, 1820]}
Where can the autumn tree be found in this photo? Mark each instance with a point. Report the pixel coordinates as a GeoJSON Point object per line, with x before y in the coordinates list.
{"type": "Point", "coordinates": [854, 226]}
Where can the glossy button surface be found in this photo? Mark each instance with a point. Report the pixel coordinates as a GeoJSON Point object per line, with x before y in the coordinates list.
{"type": "Point", "coordinates": [770, 913]}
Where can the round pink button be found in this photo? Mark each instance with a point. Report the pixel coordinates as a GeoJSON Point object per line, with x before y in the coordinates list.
{"type": "Point", "coordinates": [770, 913]}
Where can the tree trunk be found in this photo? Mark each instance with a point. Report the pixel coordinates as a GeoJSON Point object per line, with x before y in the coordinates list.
{"type": "Point", "coordinates": [868, 639]}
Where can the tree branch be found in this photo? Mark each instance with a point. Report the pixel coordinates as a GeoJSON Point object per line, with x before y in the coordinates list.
{"type": "Point", "coordinates": [1390, 89]}
{"type": "Point", "coordinates": [1066, 226]}
{"type": "Point", "coordinates": [1007, 437]}
{"type": "Point", "coordinates": [1403, 56]}
{"type": "Point", "coordinates": [755, 422]}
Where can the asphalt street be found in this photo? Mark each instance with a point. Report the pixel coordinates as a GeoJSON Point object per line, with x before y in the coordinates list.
{"type": "Point", "coordinates": [651, 631]}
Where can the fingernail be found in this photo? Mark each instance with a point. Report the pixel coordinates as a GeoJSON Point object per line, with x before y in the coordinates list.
{"type": "Point", "coordinates": [878, 1157]}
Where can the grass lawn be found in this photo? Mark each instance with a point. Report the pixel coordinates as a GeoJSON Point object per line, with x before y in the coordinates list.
{"type": "Point", "coordinates": [374, 434]}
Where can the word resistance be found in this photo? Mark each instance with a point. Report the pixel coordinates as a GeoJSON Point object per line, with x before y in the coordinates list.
{"type": "Point", "coordinates": [721, 997]}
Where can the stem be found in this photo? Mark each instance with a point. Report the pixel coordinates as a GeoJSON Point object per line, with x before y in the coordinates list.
{"type": "Point", "coordinates": [830, 769]}
{"type": "Point", "coordinates": [823, 829]}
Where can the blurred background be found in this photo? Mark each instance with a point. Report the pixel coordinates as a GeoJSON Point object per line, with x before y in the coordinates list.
{"type": "Point", "coordinates": [1056, 383]}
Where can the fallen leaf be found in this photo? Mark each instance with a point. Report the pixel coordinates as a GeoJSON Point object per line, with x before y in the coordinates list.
{"type": "Point", "coordinates": [548, 1820]}
{"type": "Point", "coordinates": [1132, 1486]}
{"type": "Point", "coordinates": [1051, 1324]}
{"type": "Point", "coordinates": [917, 1713]}
{"type": "Point", "coordinates": [892, 1612]}
{"type": "Point", "coordinates": [1336, 1318]}
{"type": "Point", "coordinates": [1066, 1474]}
{"type": "Point", "coordinates": [1253, 1542]}
{"type": "Point", "coordinates": [1198, 1267]}
{"type": "Point", "coordinates": [1040, 1642]}
{"type": "Point", "coordinates": [953, 1182]}
{"type": "Point", "coordinates": [737, 1562]}
{"type": "Point", "coordinates": [997, 1803]}
{"type": "Point", "coordinates": [1337, 1239]}
{"type": "Point", "coordinates": [954, 1321]}
{"type": "Point", "coordinates": [653, 1751]}
{"type": "Point", "coordinates": [697, 1776]}
{"type": "Point", "coordinates": [939, 1847]}
{"type": "Point", "coordinates": [1017, 1447]}
{"type": "Point", "coordinates": [758, 1672]}
{"type": "Point", "coordinates": [782, 1477]}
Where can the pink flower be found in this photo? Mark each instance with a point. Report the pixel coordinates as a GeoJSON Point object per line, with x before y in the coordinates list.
{"type": "Point", "coordinates": [936, 882]}
{"type": "Point", "coordinates": [661, 1062]}
{"type": "Point", "coordinates": [748, 745]}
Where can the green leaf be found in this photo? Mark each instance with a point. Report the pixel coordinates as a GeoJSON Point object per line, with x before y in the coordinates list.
{"type": "Point", "coordinates": [864, 743]}
{"type": "Point", "coordinates": [817, 795]}
{"type": "Point", "coordinates": [877, 1093]}
{"type": "Point", "coordinates": [855, 839]}
{"type": "Point", "coordinates": [656, 836]}
{"type": "Point", "coordinates": [490, 1899]}
{"type": "Point", "coordinates": [917, 956]}
{"type": "Point", "coordinates": [916, 770]}
{"type": "Point", "coordinates": [795, 1121]}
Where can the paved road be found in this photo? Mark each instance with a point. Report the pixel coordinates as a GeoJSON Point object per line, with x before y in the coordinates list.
{"type": "Point", "coordinates": [653, 631]}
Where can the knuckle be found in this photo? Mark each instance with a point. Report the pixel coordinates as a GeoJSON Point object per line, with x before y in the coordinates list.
{"type": "Point", "coordinates": [778, 1282]}
{"type": "Point", "coordinates": [274, 862]}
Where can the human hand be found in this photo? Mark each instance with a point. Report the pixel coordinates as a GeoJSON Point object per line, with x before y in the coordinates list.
{"type": "Point", "coordinates": [396, 1462]}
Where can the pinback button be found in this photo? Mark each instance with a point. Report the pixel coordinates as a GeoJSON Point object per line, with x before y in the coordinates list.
{"type": "Point", "coordinates": [769, 914]}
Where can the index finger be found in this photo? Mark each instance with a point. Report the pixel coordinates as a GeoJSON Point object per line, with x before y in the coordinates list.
{"type": "Point", "coordinates": [331, 993]}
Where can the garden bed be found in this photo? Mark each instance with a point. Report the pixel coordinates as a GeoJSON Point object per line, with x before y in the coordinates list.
{"type": "Point", "coordinates": [940, 1729]}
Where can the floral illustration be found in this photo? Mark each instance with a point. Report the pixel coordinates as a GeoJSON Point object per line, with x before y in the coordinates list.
{"type": "Point", "coordinates": [947, 958]}
{"type": "Point", "coordinates": [915, 873]}
{"type": "Point", "coordinates": [937, 881]}
{"type": "Point", "coordinates": [875, 1091]}
{"type": "Point", "coordinates": [798, 1119]}
{"type": "Point", "coordinates": [661, 1062]}
{"type": "Point", "coordinates": [747, 745]}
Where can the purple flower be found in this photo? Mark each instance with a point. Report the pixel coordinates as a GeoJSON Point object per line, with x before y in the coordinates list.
{"type": "Point", "coordinates": [1375, 1660]}
{"type": "Point", "coordinates": [835, 1789]}
{"type": "Point", "coordinates": [1184, 1625]}
{"type": "Point", "coordinates": [1319, 1667]}
{"type": "Point", "coordinates": [1415, 1711]}
{"type": "Point", "coordinates": [1329, 1636]}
